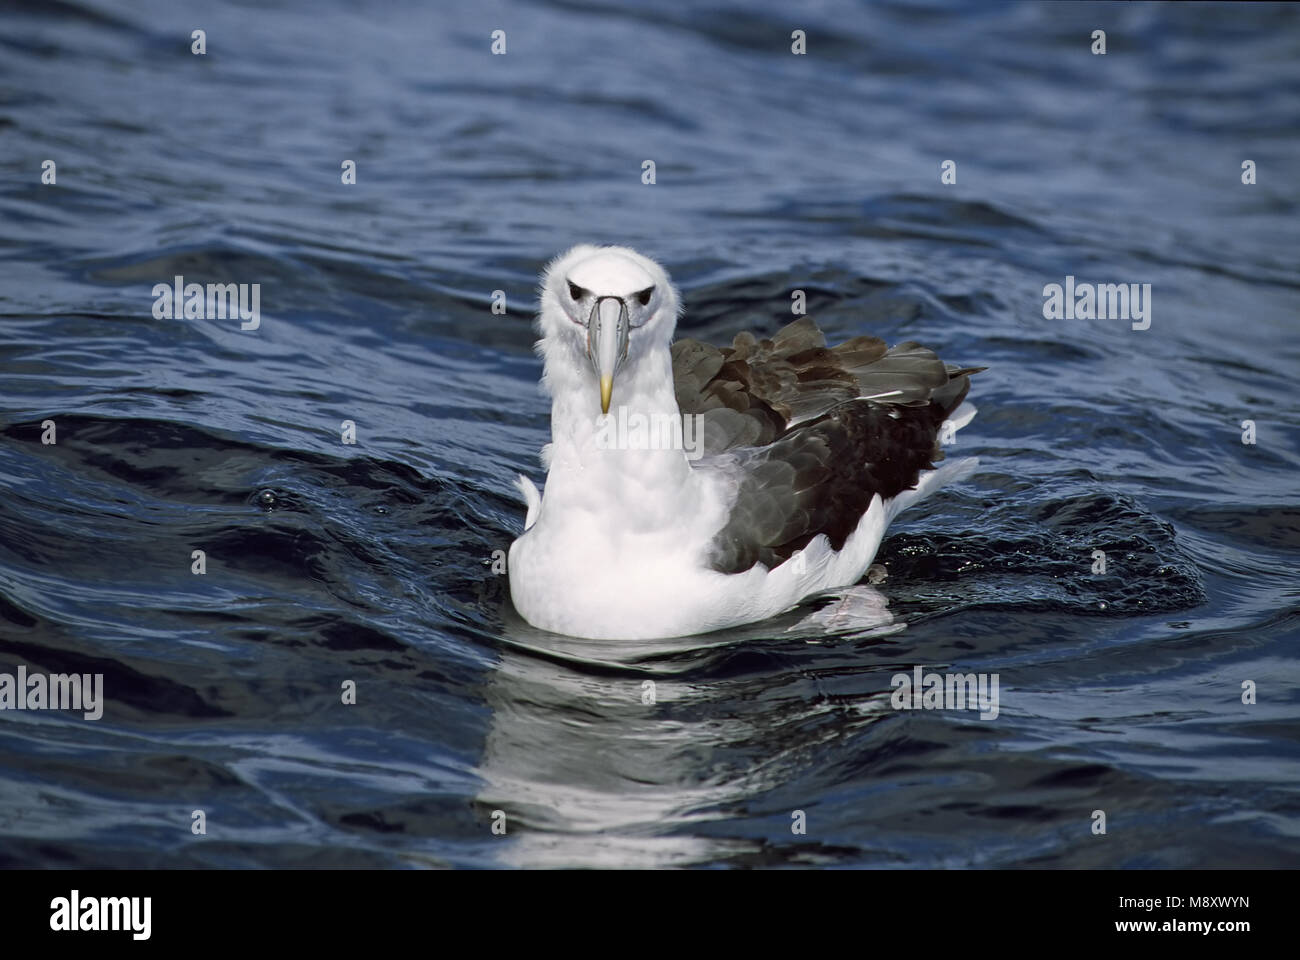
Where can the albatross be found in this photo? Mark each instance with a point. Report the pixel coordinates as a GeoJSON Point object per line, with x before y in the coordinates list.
{"type": "Point", "coordinates": [806, 453]}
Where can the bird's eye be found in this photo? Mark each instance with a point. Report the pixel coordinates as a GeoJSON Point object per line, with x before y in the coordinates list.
{"type": "Point", "coordinates": [643, 296]}
{"type": "Point", "coordinates": [576, 291]}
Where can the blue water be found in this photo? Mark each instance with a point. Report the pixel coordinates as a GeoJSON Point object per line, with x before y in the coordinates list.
{"type": "Point", "coordinates": [372, 562]}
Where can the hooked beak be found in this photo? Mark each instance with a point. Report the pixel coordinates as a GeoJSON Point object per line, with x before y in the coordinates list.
{"type": "Point", "coordinates": [607, 343]}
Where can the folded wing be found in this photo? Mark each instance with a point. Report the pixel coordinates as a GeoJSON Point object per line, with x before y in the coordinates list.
{"type": "Point", "coordinates": [807, 435]}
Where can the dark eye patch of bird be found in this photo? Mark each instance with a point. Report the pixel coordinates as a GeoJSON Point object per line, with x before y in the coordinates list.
{"type": "Point", "coordinates": [643, 296]}
{"type": "Point", "coordinates": [575, 291]}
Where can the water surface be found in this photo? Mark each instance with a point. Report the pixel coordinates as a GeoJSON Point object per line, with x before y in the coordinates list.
{"type": "Point", "coordinates": [372, 562]}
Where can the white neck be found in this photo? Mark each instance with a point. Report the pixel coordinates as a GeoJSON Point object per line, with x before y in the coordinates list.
{"type": "Point", "coordinates": [581, 460]}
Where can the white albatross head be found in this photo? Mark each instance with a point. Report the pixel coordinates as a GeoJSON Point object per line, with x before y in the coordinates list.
{"type": "Point", "coordinates": [607, 307]}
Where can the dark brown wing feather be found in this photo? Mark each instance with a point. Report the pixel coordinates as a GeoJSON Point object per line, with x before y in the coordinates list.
{"type": "Point", "coordinates": [808, 452]}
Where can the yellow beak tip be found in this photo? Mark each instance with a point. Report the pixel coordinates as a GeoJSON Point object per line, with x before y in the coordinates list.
{"type": "Point", "coordinates": [606, 391]}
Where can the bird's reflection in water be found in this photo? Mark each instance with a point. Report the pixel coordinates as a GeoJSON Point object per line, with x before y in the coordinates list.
{"type": "Point", "coordinates": [627, 753]}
